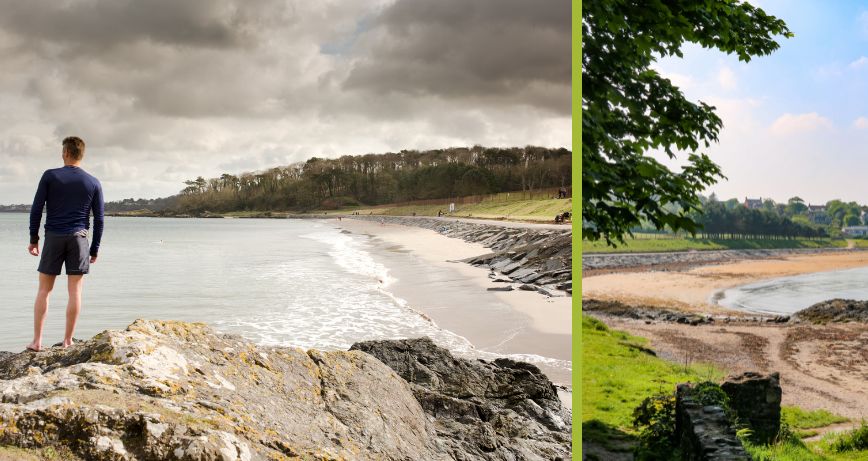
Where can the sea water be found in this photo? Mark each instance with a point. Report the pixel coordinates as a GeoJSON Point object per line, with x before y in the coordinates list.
{"type": "Point", "coordinates": [788, 295]}
{"type": "Point", "coordinates": [302, 283]}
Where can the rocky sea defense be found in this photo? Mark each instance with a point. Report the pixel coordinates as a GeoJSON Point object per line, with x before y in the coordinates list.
{"type": "Point", "coordinates": [535, 259]}
{"type": "Point", "coordinates": [680, 260]}
{"type": "Point", "coordinates": [163, 390]}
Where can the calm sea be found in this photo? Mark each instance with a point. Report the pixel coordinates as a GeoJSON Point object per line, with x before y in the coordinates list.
{"type": "Point", "coordinates": [278, 282]}
{"type": "Point", "coordinates": [790, 294]}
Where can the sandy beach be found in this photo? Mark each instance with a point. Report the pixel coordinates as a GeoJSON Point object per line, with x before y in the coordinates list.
{"type": "Point", "coordinates": [536, 324]}
{"type": "Point", "coordinates": [821, 366]}
{"type": "Point", "coordinates": [692, 290]}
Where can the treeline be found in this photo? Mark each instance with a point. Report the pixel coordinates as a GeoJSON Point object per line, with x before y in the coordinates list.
{"type": "Point", "coordinates": [374, 179]}
{"type": "Point", "coordinates": [721, 222]}
{"type": "Point", "coordinates": [129, 204]}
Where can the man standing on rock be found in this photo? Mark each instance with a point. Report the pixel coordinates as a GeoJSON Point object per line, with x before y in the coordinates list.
{"type": "Point", "coordinates": [71, 194]}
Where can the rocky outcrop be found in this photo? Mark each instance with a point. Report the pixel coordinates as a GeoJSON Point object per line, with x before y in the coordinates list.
{"type": "Point", "coordinates": [500, 410]}
{"type": "Point", "coordinates": [538, 257]}
{"type": "Point", "coordinates": [180, 391]}
{"type": "Point", "coordinates": [756, 400]}
{"type": "Point", "coordinates": [704, 432]}
{"type": "Point", "coordinates": [835, 310]}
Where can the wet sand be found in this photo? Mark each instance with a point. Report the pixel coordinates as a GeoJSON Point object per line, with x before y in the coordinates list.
{"type": "Point", "coordinates": [455, 296]}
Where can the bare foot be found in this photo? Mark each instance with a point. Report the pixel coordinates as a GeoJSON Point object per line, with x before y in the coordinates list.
{"type": "Point", "coordinates": [67, 344]}
{"type": "Point", "coordinates": [34, 347]}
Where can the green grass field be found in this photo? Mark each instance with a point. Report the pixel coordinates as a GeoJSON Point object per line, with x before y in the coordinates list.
{"type": "Point", "coordinates": [618, 373]}
{"type": "Point", "coordinates": [663, 244]}
{"type": "Point", "coordinates": [538, 210]}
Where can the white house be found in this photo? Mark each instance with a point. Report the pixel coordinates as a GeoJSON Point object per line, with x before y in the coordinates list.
{"type": "Point", "coordinates": [855, 231]}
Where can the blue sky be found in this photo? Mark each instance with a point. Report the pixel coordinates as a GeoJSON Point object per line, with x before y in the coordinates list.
{"type": "Point", "coordinates": [795, 122]}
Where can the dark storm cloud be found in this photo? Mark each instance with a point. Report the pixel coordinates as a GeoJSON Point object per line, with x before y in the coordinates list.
{"type": "Point", "coordinates": [514, 50]}
{"type": "Point", "coordinates": [166, 90]}
{"type": "Point", "coordinates": [102, 23]}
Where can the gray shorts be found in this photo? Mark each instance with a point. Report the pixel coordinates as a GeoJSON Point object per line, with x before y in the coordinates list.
{"type": "Point", "coordinates": [73, 250]}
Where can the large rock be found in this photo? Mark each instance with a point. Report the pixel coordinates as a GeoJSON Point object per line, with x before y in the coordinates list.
{"type": "Point", "coordinates": [500, 410]}
{"type": "Point", "coordinates": [756, 399]}
{"type": "Point", "coordinates": [835, 310]}
{"type": "Point", "coordinates": [179, 391]}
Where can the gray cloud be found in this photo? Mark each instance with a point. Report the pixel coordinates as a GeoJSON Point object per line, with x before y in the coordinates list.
{"type": "Point", "coordinates": [171, 89]}
{"type": "Point", "coordinates": [513, 51]}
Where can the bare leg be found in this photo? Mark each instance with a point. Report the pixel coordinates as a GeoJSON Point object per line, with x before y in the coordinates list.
{"type": "Point", "coordinates": [40, 307]}
{"type": "Point", "coordinates": [73, 307]}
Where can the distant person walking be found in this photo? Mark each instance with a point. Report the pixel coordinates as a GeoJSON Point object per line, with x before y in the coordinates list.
{"type": "Point", "coordinates": [70, 195]}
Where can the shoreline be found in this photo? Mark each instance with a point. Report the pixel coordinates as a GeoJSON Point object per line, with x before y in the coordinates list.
{"type": "Point", "coordinates": [693, 289]}
{"type": "Point", "coordinates": [811, 377]}
{"type": "Point", "coordinates": [530, 324]}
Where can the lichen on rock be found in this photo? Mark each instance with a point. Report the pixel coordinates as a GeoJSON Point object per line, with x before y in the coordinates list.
{"type": "Point", "coordinates": [180, 391]}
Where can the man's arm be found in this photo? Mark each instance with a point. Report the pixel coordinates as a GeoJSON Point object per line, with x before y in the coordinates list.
{"type": "Point", "coordinates": [36, 212]}
{"type": "Point", "coordinates": [98, 207]}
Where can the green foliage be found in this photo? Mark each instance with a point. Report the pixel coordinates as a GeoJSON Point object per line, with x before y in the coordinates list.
{"type": "Point", "coordinates": [850, 441]}
{"type": "Point", "coordinates": [655, 420]}
{"type": "Point", "coordinates": [628, 109]}
{"type": "Point", "coordinates": [708, 393]}
{"type": "Point", "coordinates": [717, 221]}
{"type": "Point", "coordinates": [375, 179]}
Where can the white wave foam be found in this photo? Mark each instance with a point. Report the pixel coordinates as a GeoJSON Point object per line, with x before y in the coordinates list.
{"type": "Point", "coordinates": [325, 309]}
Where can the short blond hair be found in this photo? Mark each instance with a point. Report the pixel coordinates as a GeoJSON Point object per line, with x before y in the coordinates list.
{"type": "Point", "coordinates": [74, 146]}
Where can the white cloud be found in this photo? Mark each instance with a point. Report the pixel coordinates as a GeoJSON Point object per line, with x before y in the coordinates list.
{"type": "Point", "coordinates": [861, 123]}
{"type": "Point", "coordinates": [859, 63]}
{"type": "Point", "coordinates": [726, 78]}
{"type": "Point", "coordinates": [800, 123]}
{"type": "Point", "coordinates": [863, 22]}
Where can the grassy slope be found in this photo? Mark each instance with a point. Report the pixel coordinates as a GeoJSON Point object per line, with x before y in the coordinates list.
{"type": "Point", "coordinates": [541, 210]}
{"type": "Point", "coordinates": [682, 244]}
{"type": "Point", "coordinates": [617, 374]}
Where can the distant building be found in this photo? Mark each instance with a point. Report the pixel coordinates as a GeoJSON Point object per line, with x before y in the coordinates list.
{"type": "Point", "coordinates": [817, 214]}
{"type": "Point", "coordinates": [753, 204]}
{"type": "Point", "coordinates": [855, 231]}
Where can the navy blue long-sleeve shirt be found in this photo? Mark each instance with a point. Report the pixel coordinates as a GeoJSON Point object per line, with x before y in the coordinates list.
{"type": "Point", "coordinates": [71, 195]}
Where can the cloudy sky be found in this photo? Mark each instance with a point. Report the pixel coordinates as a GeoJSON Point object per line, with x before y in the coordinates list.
{"type": "Point", "coordinates": [795, 122]}
{"type": "Point", "coordinates": [166, 90]}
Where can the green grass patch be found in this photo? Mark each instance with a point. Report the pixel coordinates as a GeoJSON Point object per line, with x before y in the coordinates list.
{"type": "Point", "coordinates": [617, 375]}
{"type": "Point", "coordinates": [539, 210]}
{"type": "Point", "coordinates": [665, 243]}
{"type": "Point", "coordinates": [859, 243]}
{"type": "Point", "coordinates": [848, 442]}
{"type": "Point", "coordinates": [800, 419]}
{"type": "Point", "coordinates": [845, 446]}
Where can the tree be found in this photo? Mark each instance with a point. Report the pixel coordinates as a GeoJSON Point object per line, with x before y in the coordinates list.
{"type": "Point", "coordinates": [628, 109]}
{"type": "Point", "coordinates": [796, 206]}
